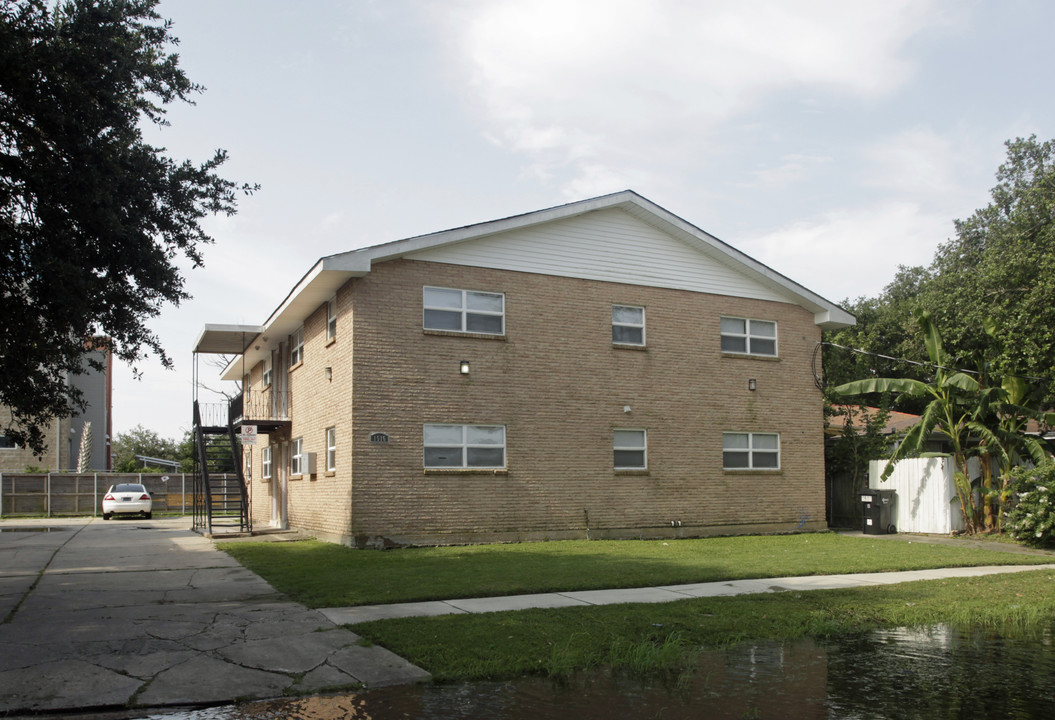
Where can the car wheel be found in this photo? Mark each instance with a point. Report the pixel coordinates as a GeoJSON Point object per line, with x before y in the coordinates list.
{"type": "Point", "coordinates": [148, 515]}
{"type": "Point", "coordinates": [106, 516]}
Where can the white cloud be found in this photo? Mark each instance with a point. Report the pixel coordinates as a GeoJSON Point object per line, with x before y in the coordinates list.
{"type": "Point", "coordinates": [579, 83]}
{"type": "Point", "coordinates": [854, 252]}
{"type": "Point", "coordinates": [919, 162]}
{"type": "Point", "coordinates": [791, 169]}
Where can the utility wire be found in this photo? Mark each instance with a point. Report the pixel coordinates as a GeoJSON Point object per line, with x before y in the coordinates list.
{"type": "Point", "coordinates": [819, 380]}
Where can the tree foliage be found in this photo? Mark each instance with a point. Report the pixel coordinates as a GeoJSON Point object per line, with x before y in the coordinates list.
{"type": "Point", "coordinates": [998, 271]}
{"type": "Point", "coordinates": [93, 219]}
{"type": "Point", "coordinates": [979, 414]}
{"type": "Point", "coordinates": [141, 441]}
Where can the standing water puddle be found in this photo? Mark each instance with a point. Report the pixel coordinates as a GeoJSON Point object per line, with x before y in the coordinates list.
{"type": "Point", "coordinates": [931, 674]}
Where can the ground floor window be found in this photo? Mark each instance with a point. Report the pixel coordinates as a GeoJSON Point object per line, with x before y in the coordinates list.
{"type": "Point", "coordinates": [464, 446]}
{"type": "Point", "coordinates": [750, 451]}
{"type": "Point", "coordinates": [265, 463]}
{"type": "Point", "coordinates": [331, 448]}
{"type": "Point", "coordinates": [630, 449]}
{"type": "Point", "coordinates": [296, 457]}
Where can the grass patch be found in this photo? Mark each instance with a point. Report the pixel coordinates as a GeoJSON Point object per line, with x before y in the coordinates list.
{"type": "Point", "coordinates": [665, 638]}
{"type": "Point", "coordinates": [320, 574]}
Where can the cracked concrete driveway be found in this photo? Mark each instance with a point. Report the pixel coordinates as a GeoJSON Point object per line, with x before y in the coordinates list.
{"type": "Point", "coordinates": [146, 613]}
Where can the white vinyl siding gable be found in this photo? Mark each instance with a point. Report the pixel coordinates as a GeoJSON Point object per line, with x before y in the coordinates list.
{"type": "Point", "coordinates": [609, 245]}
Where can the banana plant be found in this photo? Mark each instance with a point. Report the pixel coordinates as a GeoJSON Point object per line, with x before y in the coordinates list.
{"type": "Point", "coordinates": [956, 399]}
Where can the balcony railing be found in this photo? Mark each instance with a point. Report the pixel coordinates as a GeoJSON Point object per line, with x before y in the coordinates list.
{"type": "Point", "coordinates": [265, 407]}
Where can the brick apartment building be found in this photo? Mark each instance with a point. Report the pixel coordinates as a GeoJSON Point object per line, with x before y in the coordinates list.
{"type": "Point", "coordinates": [599, 369]}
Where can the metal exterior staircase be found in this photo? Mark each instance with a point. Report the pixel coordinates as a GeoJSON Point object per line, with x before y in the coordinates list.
{"type": "Point", "coordinates": [221, 497]}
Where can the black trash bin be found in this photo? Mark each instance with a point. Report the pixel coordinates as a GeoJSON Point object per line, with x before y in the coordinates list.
{"type": "Point", "coordinates": [877, 512]}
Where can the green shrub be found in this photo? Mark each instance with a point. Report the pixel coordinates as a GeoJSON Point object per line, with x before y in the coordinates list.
{"type": "Point", "coordinates": [1032, 519]}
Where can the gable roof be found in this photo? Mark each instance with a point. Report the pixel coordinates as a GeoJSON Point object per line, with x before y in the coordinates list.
{"type": "Point", "coordinates": [328, 274]}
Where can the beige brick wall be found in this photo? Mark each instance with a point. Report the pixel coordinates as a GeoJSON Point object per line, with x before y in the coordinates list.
{"type": "Point", "coordinates": [320, 501]}
{"type": "Point", "coordinates": [559, 386]}
{"type": "Point", "coordinates": [56, 456]}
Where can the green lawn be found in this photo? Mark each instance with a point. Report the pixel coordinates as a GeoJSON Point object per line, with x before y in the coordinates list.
{"type": "Point", "coordinates": [665, 638]}
{"type": "Point", "coordinates": [321, 574]}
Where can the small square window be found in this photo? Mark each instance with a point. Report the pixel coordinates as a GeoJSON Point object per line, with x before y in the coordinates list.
{"type": "Point", "coordinates": [628, 325]}
{"type": "Point", "coordinates": [630, 449]}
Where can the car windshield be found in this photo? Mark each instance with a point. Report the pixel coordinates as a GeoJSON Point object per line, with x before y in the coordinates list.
{"type": "Point", "coordinates": [128, 488]}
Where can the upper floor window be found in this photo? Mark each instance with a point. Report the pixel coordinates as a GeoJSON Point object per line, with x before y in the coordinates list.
{"type": "Point", "coordinates": [750, 451]}
{"type": "Point", "coordinates": [266, 379]}
{"type": "Point", "coordinates": [331, 319]}
{"type": "Point", "coordinates": [296, 347]}
{"type": "Point", "coordinates": [630, 449]}
{"type": "Point", "coordinates": [7, 443]}
{"type": "Point", "coordinates": [751, 337]}
{"type": "Point", "coordinates": [465, 446]}
{"type": "Point", "coordinates": [628, 325]}
{"type": "Point", "coordinates": [464, 311]}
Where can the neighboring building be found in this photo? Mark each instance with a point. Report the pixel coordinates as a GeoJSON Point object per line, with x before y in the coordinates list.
{"type": "Point", "coordinates": [598, 369]}
{"type": "Point", "coordinates": [64, 435]}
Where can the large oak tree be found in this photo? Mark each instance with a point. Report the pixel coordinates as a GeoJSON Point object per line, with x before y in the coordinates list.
{"type": "Point", "coordinates": [92, 218]}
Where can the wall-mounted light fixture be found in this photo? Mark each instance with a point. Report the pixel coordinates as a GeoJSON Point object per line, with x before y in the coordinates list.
{"type": "Point", "coordinates": [463, 367]}
{"type": "Point", "coordinates": [752, 384]}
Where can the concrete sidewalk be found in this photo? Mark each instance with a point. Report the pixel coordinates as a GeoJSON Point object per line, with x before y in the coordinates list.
{"type": "Point", "coordinates": [97, 615]}
{"type": "Point", "coordinates": [669, 593]}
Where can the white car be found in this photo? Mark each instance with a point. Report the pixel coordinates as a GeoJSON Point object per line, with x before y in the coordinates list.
{"type": "Point", "coordinates": [127, 499]}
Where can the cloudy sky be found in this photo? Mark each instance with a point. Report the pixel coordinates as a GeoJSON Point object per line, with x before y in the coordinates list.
{"type": "Point", "coordinates": [831, 140]}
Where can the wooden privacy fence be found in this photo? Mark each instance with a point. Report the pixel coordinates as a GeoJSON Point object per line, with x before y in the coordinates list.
{"type": "Point", "coordinates": [48, 494]}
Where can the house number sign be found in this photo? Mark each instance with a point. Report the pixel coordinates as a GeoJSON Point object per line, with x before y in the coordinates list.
{"type": "Point", "coordinates": [378, 437]}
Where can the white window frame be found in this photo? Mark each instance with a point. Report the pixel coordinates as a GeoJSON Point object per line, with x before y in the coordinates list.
{"type": "Point", "coordinates": [267, 375]}
{"type": "Point", "coordinates": [642, 448]}
{"type": "Point", "coordinates": [464, 446]}
{"type": "Point", "coordinates": [748, 337]}
{"type": "Point", "coordinates": [331, 448]}
{"type": "Point", "coordinates": [622, 324]}
{"type": "Point", "coordinates": [464, 310]}
{"type": "Point", "coordinates": [265, 463]}
{"type": "Point", "coordinates": [296, 347]}
{"type": "Point", "coordinates": [296, 456]}
{"type": "Point", "coordinates": [751, 450]}
{"type": "Point", "coordinates": [331, 319]}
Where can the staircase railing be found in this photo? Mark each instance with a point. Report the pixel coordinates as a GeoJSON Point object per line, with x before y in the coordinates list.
{"type": "Point", "coordinates": [202, 494]}
{"type": "Point", "coordinates": [205, 504]}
